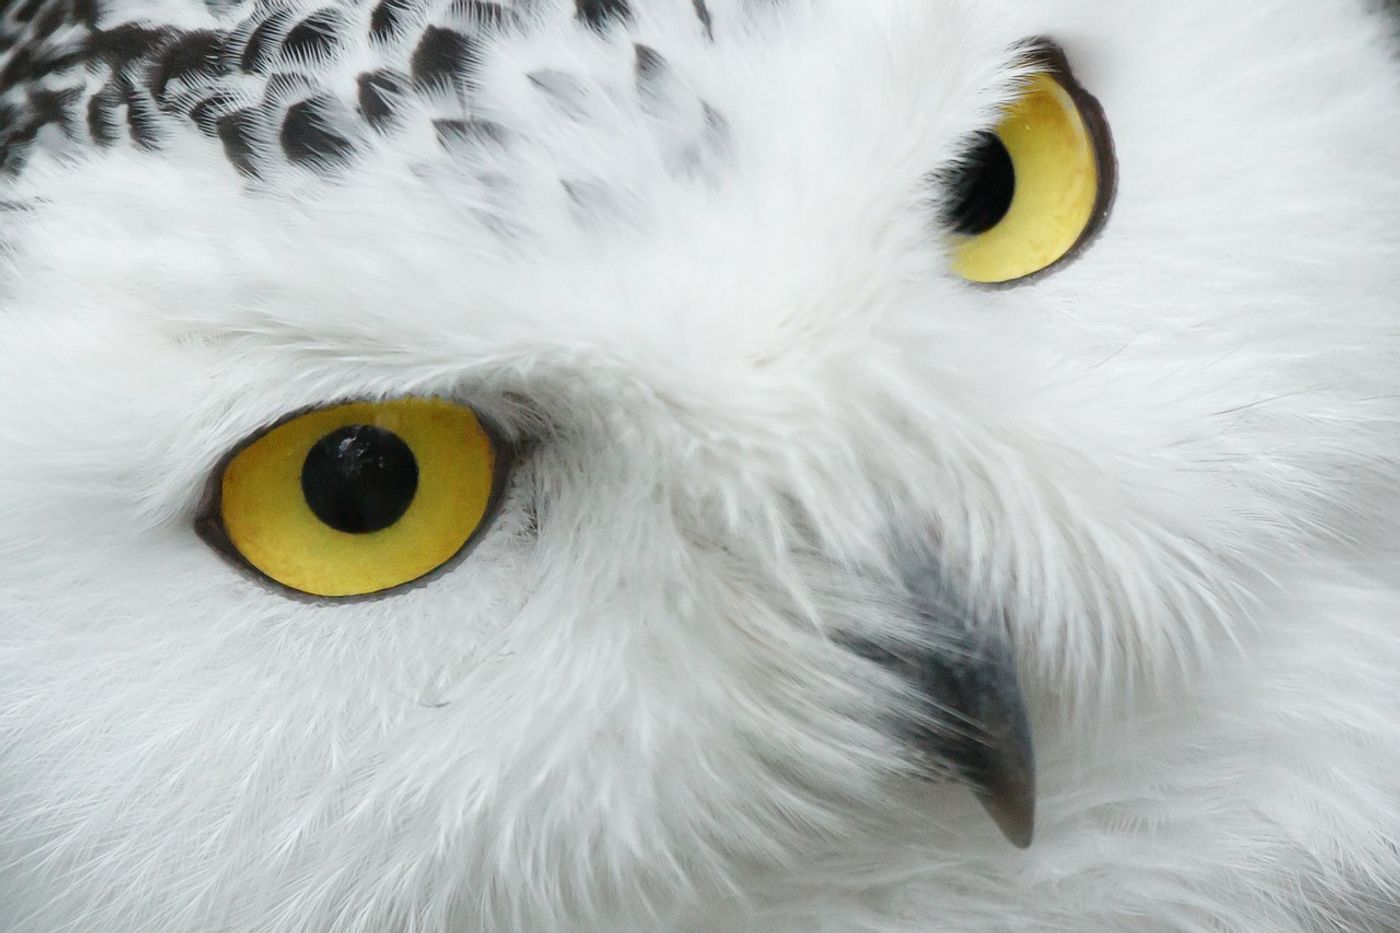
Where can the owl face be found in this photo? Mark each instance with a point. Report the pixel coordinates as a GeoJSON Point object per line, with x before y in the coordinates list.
{"type": "Point", "coordinates": [630, 466]}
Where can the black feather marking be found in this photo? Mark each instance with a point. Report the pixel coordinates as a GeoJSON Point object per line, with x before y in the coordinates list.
{"type": "Point", "coordinates": [59, 107]}
{"type": "Point", "coordinates": [84, 13]}
{"type": "Point", "coordinates": [471, 133]}
{"type": "Point", "coordinates": [387, 18]}
{"type": "Point", "coordinates": [47, 24]}
{"type": "Point", "coordinates": [237, 131]}
{"type": "Point", "coordinates": [379, 94]}
{"type": "Point", "coordinates": [21, 67]}
{"type": "Point", "coordinates": [315, 37]}
{"type": "Point", "coordinates": [649, 65]}
{"type": "Point", "coordinates": [126, 43]}
{"type": "Point", "coordinates": [652, 75]}
{"type": "Point", "coordinates": [12, 158]}
{"type": "Point", "coordinates": [702, 12]}
{"type": "Point", "coordinates": [14, 139]}
{"type": "Point", "coordinates": [444, 59]}
{"type": "Point", "coordinates": [481, 13]}
{"type": "Point", "coordinates": [102, 113]}
{"type": "Point", "coordinates": [258, 52]}
{"type": "Point", "coordinates": [15, 151]}
{"type": "Point", "coordinates": [25, 11]}
{"type": "Point", "coordinates": [307, 138]}
{"type": "Point", "coordinates": [205, 114]}
{"type": "Point", "coordinates": [563, 89]}
{"type": "Point", "coordinates": [601, 14]}
{"type": "Point", "coordinates": [193, 55]}
{"type": "Point", "coordinates": [142, 119]}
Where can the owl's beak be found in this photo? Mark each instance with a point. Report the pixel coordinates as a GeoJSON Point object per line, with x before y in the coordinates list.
{"type": "Point", "coordinates": [972, 721]}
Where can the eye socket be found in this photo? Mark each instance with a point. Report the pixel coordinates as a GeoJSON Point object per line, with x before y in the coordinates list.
{"type": "Point", "coordinates": [1030, 194]}
{"type": "Point", "coordinates": [358, 498]}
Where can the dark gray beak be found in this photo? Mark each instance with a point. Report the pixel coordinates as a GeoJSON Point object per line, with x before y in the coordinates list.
{"type": "Point", "coordinates": [971, 721]}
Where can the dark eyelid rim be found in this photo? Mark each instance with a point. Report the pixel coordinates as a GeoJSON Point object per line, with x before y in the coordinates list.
{"type": "Point", "coordinates": [209, 525]}
{"type": "Point", "coordinates": [1049, 58]}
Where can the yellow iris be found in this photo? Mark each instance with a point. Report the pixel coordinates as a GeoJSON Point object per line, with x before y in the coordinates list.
{"type": "Point", "coordinates": [359, 498]}
{"type": "Point", "coordinates": [1061, 158]}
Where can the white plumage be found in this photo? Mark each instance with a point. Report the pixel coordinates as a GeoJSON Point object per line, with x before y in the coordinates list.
{"type": "Point", "coordinates": [711, 307]}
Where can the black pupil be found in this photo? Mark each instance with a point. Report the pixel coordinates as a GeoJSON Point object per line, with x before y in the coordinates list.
{"type": "Point", "coordinates": [359, 479]}
{"type": "Point", "coordinates": [982, 187]}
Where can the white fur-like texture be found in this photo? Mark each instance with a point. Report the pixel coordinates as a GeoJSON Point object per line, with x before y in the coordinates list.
{"type": "Point", "coordinates": [737, 382]}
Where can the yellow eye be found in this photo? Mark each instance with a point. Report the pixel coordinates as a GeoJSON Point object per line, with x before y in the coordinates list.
{"type": "Point", "coordinates": [1031, 193]}
{"type": "Point", "coordinates": [358, 498]}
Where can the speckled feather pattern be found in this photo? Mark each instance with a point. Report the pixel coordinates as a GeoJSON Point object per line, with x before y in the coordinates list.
{"type": "Point", "coordinates": [258, 85]}
{"type": "Point", "coordinates": [686, 258]}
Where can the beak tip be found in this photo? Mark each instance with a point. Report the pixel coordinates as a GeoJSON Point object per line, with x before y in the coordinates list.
{"type": "Point", "coordinates": [1007, 793]}
{"type": "Point", "coordinates": [1014, 815]}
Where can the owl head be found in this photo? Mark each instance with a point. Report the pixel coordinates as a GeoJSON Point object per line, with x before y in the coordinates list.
{"type": "Point", "coordinates": [654, 464]}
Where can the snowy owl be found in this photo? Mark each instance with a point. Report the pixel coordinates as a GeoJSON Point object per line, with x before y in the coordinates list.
{"type": "Point", "coordinates": [679, 466]}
